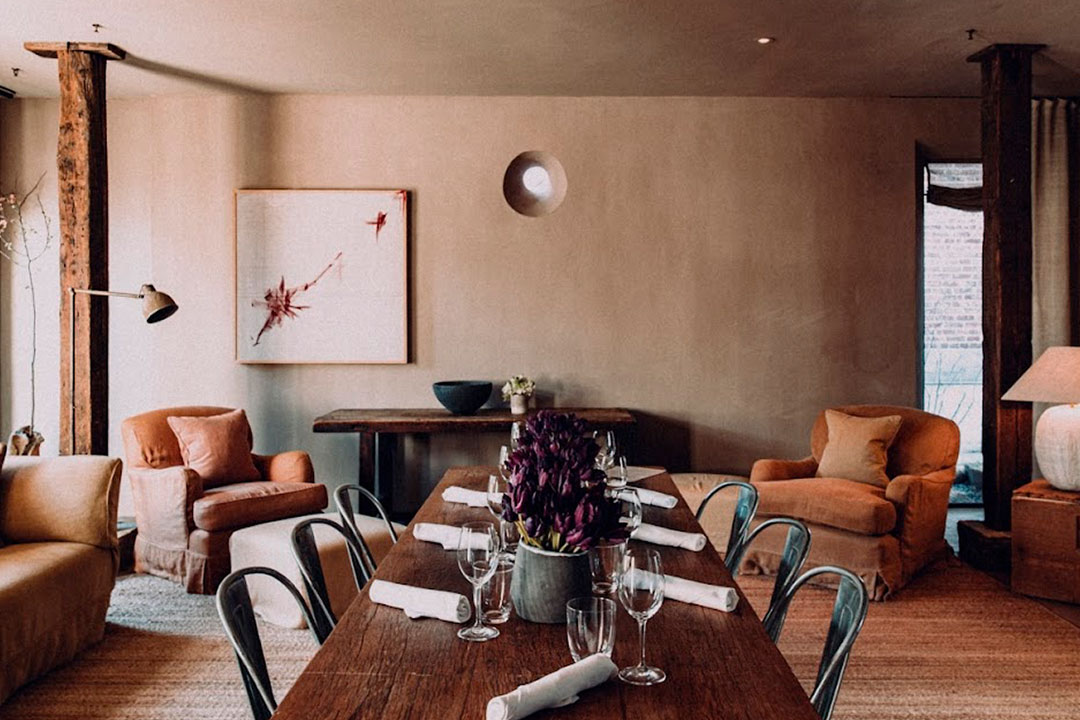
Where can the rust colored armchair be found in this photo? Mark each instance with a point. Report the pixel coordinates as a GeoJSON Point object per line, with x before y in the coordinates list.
{"type": "Point", "coordinates": [884, 535]}
{"type": "Point", "coordinates": [184, 526]}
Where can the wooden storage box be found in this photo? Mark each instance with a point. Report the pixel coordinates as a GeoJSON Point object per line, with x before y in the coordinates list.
{"type": "Point", "coordinates": [1046, 542]}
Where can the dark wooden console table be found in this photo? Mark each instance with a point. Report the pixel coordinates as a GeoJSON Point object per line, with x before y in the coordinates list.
{"type": "Point", "coordinates": [378, 431]}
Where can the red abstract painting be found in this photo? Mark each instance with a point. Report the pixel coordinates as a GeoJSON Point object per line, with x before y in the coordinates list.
{"type": "Point", "coordinates": [279, 304]}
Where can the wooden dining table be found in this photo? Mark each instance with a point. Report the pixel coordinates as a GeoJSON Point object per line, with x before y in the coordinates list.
{"type": "Point", "coordinates": [377, 663]}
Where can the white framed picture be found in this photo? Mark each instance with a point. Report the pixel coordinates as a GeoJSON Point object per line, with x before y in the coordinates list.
{"type": "Point", "coordinates": [321, 276]}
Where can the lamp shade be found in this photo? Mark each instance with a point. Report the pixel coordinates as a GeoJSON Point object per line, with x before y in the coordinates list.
{"type": "Point", "coordinates": [156, 305]}
{"type": "Point", "coordinates": [1053, 378]}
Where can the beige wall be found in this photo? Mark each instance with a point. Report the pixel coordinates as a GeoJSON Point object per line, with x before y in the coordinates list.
{"type": "Point", "coordinates": [726, 266]}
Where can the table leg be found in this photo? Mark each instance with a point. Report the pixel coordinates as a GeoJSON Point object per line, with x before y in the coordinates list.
{"type": "Point", "coordinates": [385, 450]}
{"type": "Point", "coordinates": [366, 476]}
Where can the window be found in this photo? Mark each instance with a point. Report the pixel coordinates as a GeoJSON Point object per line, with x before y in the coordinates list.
{"type": "Point", "coordinates": [951, 342]}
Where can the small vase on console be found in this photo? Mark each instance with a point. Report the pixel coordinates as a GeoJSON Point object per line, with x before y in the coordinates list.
{"type": "Point", "coordinates": [519, 404]}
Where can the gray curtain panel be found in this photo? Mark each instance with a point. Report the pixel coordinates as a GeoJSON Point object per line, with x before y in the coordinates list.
{"type": "Point", "coordinates": [1055, 224]}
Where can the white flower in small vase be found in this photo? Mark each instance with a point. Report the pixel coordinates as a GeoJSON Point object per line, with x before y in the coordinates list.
{"type": "Point", "coordinates": [518, 390]}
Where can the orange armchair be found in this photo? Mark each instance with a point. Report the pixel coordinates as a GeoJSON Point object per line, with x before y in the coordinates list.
{"type": "Point", "coordinates": [184, 526]}
{"type": "Point", "coordinates": [885, 535]}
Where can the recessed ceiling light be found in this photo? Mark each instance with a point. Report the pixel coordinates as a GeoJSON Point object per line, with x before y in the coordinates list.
{"type": "Point", "coordinates": [765, 40]}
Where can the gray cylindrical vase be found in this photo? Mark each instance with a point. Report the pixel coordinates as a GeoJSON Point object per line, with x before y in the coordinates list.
{"type": "Point", "coordinates": [545, 580]}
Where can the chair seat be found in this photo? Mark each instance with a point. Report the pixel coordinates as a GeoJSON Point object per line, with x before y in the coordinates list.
{"type": "Point", "coordinates": [242, 504]}
{"type": "Point", "coordinates": [844, 504]}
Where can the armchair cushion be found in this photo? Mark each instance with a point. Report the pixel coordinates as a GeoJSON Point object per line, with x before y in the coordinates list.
{"type": "Point", "coordinates": [857, 448]}
{"type": "Point", "coordinates": [836, 502]}
{"type": "Point", "coordinates": [217, 447]}
{"type": "Point", "coordinates": [231, 506]}
{"type": "Point", "coordinates": [293, 466]}
{"type": "Point", "coordinates": [66, 499]}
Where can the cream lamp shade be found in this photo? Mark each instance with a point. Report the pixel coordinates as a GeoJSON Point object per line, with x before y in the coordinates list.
{"type": "Point", "coordinates": [1055, 378]}
{"type": "Point", "coordinates": [156, 305]}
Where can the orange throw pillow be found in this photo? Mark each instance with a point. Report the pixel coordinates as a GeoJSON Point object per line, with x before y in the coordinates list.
{"type": "Point", "coordinates": [858, 447]}
{"type": "Point", "coordinates": [217, 447]}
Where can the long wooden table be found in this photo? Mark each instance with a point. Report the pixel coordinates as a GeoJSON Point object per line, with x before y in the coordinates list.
{"type": "Point", "coordinates": [378, 431]}
{"type": "Point", "coordinates": [379, 664]}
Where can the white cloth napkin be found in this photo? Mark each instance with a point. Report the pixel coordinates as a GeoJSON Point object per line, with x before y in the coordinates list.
{"type": "Point", "coordinates": [666, 536]}
{"type": "Point", "coordinates": [555, 690]}
{"type": "Point", "coordinates": [420, 602]}
{"type": "Point", "coordinates": [716, 597]}
{"type": "Point", "coordinates": [446, 535]}
{"type": "Point", "coordinates": [472, 498]}
{"type": "Point", "coordinates": [656, 498]}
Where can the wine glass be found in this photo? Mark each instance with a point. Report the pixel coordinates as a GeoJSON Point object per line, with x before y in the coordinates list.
{"type": "Point", "coordinates": [605, 458]}
{"type": "Point", "coordinates": [630, 512]}
{"type": "Point", "coordinates": [641, 592]}
{"type": "Point", "coordinates": [620, 478]}
{"type": "Point", "coordinates": [515, 435]}
{"type": "Point", "coordinates": [508, 531]}
{"type": "Point", "coordinates": [478, 558]}
{"type": "Point", "coordinates": [504, 462]}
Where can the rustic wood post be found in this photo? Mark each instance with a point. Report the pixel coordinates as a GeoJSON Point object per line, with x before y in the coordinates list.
{"type": "Point", "coordinates": [1006, 151]}
{"type": "Point", "coordinates": [83, 189]}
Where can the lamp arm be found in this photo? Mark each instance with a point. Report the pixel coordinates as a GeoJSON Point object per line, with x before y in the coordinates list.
{"type": "Point", "coordinates": [106, 293]}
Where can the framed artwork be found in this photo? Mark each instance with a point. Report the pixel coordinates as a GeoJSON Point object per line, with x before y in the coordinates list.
{"type": "Point", "coordinates": [321, 276]}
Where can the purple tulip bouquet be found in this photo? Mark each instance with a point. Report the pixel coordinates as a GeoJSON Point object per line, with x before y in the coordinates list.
{"type": "Point", "coordinates": [555, 493]}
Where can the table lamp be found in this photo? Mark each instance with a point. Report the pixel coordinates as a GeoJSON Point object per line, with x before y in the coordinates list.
{"type": "Point", "coordinates": [1055, 378]}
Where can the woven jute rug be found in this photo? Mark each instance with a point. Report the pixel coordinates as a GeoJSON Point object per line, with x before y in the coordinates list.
{"type": "Point", "coordinates": [954, 645]}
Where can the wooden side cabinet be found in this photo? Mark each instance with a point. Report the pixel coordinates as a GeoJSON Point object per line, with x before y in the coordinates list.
{"type": "Point", "coordinates": [1046, 542]}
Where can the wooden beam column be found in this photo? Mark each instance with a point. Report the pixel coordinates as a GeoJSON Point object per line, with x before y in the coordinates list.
{"type": "Point", "coordinates": [83, 188]}
{"type": "Point", "coordinates": [1006, 156]}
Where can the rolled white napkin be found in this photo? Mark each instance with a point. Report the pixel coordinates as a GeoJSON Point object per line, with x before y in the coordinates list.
{"type": "Point", "coordinates": [446, 535]}
{"type": "Point", "coordinates": [420, 602]}
{"type": "Point", "coordinates": [716, 597]}
{"type": "Point", "coordinates": [656, 498]}
{"type": "Point", "coordinates": [472, 498]}
{"type": "Point", "coordinates": [666, 536]}
{"type": "Point", "coordinates": [554, 690]}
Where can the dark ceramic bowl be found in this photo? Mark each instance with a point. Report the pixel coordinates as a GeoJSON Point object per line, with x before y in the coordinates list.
{"type": "Point", "coordinates": [462, 397]}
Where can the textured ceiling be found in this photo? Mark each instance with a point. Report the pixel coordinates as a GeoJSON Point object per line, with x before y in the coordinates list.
{"type": "Point", "coordinates": [544, 47]}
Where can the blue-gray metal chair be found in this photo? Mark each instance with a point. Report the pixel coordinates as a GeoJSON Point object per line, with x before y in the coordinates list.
{"type": "Point", "coordinates": [364, 566]}
{"type": "Point", "coordinates": [849, 612]}
{"type": "Point", "coordinates": [306, 552]}
{"type": "Point", "coordinates": [745, 507]}
{"type": "Point", "coordinates": [796, 548]}
{"type": "Point", "coordinates": [238, 618]}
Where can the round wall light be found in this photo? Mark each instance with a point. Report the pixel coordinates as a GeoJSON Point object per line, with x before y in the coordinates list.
{"type": "Point", "coordinates": [534, 183]}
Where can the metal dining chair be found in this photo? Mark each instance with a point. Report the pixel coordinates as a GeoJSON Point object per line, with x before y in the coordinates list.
{"type": "Point", "coordinates": [796, 548]}
{"type": "Point", "coordinates": [238, 618]}
{"type": "Point", "coordinates": [745, 507]}
{"type": "Point", "coordinates": [363, 566]}
{"type": "Point", "coordinates": [849, 612]}
{"type": "Point", "coordinates": [306, 552]}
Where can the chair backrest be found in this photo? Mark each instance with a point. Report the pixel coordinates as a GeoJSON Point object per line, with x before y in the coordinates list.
{"type": "Point", "coordinates": [347, 512]}
{"type": "Point", "coordinates": [238, 618]}
{"type": "Point", "coordinates": [306, 552]}
{"type": "Point", "coordinates": [796, 548]}
{"type": "Point", "coordinates": [149, 442]}
{"type": "Point", "coordinates": [849, 612]}
{"type": "Point", "coordinates": [924, 443]}
{"type": "Point", "coordinates": [745, 508]}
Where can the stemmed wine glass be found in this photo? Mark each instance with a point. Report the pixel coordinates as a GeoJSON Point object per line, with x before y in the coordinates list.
{"type": "Point", "coordinates": [507, 530]}
{"type": "Point", "coordinates": [620, 478]}
{"type": "Point", "coordinates": [631, 511]}
{"type": "Point", "coordinates": [515, 435]}
{"type": "Point", "coordinates": [609, 451]}
{"type": "Point", "coordinates": [478, 558]}
{"type": "Point", "coordinates": [641, 592]}
{"type": "Point", "coordinates": [504, 462]}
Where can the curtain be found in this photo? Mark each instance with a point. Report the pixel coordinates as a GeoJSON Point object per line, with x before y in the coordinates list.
{"type": "Point", "coordinates": [1055, 225]}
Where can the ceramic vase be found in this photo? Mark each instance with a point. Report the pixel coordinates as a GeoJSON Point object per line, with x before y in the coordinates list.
{"type": "Point", "coordinates": [544, 580]}
{"type": "Point", "coordinates": [519, 404]}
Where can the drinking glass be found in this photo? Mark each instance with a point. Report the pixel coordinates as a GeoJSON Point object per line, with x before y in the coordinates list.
{"type": "Point", "coordinates": [590, 627]}
{"type": "Point", "coordinates": [496, 595]}
{"type": "Point", "coordinates": [605, 563]}
{"type": "Point", "coordinates": [619, 478]}
{"type": "Point", "coordinates": [478, 559]}
{"type": "Point", "coordinates": [641, 592]}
